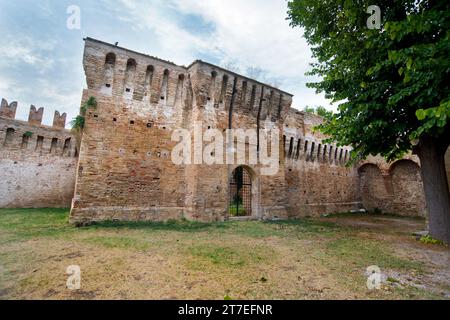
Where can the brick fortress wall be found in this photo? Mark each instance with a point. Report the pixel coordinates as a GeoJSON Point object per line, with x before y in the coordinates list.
{"type": "Point", "coordinates": [126, 173]}
{"type": "Point", "coordinates": [37, 162]}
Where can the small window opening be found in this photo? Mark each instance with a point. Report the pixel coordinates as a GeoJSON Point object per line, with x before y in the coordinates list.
{"type": "Point", "coordinates": [9, 136]}
{"type": "Point", "coordinates": [291, 147]}
{"type": "Point", "coordinates": [39, 143]}
{"type": "Point", "coordinates": [25, 140]}
{"type": "Point", "coordinates": [313, 147]}
{"type": "Point", "coordinates": [298, 148]}
{"type": "Point", "coordinates": [67, 144]}
{"type": "Point", "coordinates": [165, 85]}
{"type": "Point", "coordinates": [253, 97]}
{"type": "Point", "coordinates": [224, 88]}
{"type": "Point", "coordinates": [54, 145]}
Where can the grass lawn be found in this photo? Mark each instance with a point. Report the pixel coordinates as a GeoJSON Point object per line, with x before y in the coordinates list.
{"type": "Point", "coordinates": [322, 258]}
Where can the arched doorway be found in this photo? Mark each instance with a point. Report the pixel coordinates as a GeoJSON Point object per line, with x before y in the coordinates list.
{"type": "Point", "coordinates": [240, 193]}
{"type": "Point", "coordinates": [408, 195]}
{"type": "Point", "coordinates": [372, 188]}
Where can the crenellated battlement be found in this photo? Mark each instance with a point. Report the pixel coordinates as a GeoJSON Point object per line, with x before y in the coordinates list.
{"type": "Point", "coordinates": [303, 143]}
{"type": "Point", "coordinates": [35, 114]}
{"type": "Point", "coordinates": [24, 137]}
{"type": "Point", "coordinates": [147, 81]}
{"type": "Point", "coordinates": [125, 170]}
{"type": "Point", "coordinates": [8, 110]}
{"type": "Point", "coordinates": [119, 72]}
{"type": "Point", "coordinates": [128, 142]}
{"type": "Point", "coordinates": [37, 162]}
{"type": "Point", "coordinates": [235, 93]}
{"type": "Point", "coordinates": [59, 120]}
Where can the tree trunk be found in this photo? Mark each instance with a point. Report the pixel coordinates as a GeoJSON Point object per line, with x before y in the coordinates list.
{"type": "Point", "coordinates": [432, 158]}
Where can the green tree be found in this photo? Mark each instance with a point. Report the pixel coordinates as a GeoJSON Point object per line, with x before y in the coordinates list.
{"type": "Point", "coordinates": [308, 109]}
{"type": "Point", "coordinates": [78, 122]}
{"type": "Point", "coordinates": [320, 111]}
{"type": "Point", "coordinates": [324, 113]}
{"type": "Point", "coordinates": [392, 83]}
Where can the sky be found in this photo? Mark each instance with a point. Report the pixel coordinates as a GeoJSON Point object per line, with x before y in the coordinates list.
{"type": "Point", "coordinates": [41, 58]}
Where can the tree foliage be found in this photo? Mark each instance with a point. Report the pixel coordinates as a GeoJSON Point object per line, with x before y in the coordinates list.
{"type": "Point", "coordinates": [78, 123]}
{"type": "Point", "coordinates": [392, 84]}
{"type": "Point", "coordinates": [320, 111]}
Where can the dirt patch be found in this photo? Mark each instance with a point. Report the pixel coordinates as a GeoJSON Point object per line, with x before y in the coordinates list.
{"type": "Point", "coordinates": [306, 259]}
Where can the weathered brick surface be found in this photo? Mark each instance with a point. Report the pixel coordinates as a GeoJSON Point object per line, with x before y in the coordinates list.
{"type": "Point", "coordinates": [392, 187]}
{"type": "Point", "coordinates": [8, 110]}
{"type": "Point", "coordinates": [37, 163]}
{"type": "Point", "coordinates": [126, 173]}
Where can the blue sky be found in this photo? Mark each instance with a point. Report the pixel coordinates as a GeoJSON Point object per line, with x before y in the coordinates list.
{"type": "Point", "coordinates": [41, 59]}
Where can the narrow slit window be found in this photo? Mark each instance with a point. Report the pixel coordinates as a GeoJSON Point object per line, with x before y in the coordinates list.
{"type": "Point", "coordinates": [25, 140]}
{"type": "Point", "coordinates": [223, 92]}
{"type": "Point", "coordinates": [54, 145]}
{"type": "Point", "coordinates": [244, 93]}
{"type": "Point", "coordinates": [253, 98]}
{"type": "Point", "coordinates": [212, 85]}
{"type": "Point", "coordinates": [298, 148]}
{"type": "Point", "coordinates": [271, 97]}
{"type": "Point", "coordinates": [129, 75]}
{"type": "Point", "coordinates": [10, 132]}
{"type": "Point", "coordinates": [67, 145]}
{"type": "Point", "coordinates": [39, 143]}
{"type": "Point", "coordinates": [291, 147]}
{"type": "Point", "coordinates": [165, 85]}
{"type": "Point", "coordinates": [180, 85]}
{"type": "Point", "coordinates": [110, 63]}
{"type": "Point", "coordinates": [280, 106]}
{"type": "Point", "coordinates": [149, 78]}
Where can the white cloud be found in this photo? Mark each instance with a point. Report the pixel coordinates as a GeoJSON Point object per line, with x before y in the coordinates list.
{"type": "Point", "coordinates": [251, 33]}
{"type": "Point", "coordinates": [173, 41]}
{"type": "Point", "coordinates": [41, 94]}
{"type": "Point", "coordinates": [255, 32]}
{"type": "Point", "coordinates": [27, 50]}
{"type": "Point", "coordinates": [5, 84]}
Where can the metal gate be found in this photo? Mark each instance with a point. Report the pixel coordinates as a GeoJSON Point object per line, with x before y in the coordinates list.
{"type": "Point", "coordinates": [240, 193]}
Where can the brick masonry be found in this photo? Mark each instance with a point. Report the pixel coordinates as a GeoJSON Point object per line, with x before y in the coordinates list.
{"type": "Point", "coordinates": [125, 169]}
{"type": "Point", "coordinates": [37, 163]}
